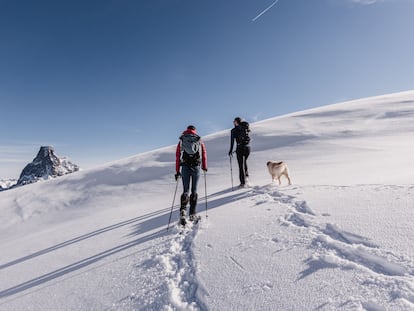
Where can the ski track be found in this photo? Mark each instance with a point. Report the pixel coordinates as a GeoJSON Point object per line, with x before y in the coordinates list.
{"type": "Point", "coordinates": [180, 267]}
{"type": "Point", "coordinates": [172, 284]}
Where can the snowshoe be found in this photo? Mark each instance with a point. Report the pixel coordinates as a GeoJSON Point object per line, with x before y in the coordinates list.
{"type": "Point", "coordinates": [195, 219]}
{"type": "Point", "coordinates": [183, 221]}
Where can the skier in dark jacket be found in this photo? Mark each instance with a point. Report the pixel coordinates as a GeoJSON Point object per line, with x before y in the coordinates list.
{"type": "Point", "coordinates": [240, 134]}
{"type": "Point", "coordinates": [190, 155]}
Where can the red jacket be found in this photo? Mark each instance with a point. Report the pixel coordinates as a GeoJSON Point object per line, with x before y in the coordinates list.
{"type": "Point", "coordinates": [178, 153]}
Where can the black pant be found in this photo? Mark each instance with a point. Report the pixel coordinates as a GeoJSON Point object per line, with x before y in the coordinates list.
{"type": "Point", "coordinates": [243, 153]}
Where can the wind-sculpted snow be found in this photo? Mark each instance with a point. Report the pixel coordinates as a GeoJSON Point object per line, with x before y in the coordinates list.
{"type": "Point", "coordinates": [329, 248]}
{"type": "Point", "coordinates": [335, 248]}
{"type": "Point", "coordinates": [339, 238]}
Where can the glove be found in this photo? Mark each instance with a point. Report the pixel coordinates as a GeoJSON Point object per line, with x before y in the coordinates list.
{"type": "Point", "coordinates": [204, 169]}
{"type": "Point", "coordinates": [177, 175]}
{"type": "Point", "coordinates": [230, 153]}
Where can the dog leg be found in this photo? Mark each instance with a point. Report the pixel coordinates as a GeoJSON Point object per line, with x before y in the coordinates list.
{"type": "Point", "coordinates": [288, 178]}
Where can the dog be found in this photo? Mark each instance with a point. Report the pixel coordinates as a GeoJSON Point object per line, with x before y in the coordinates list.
{"type": "Point", "coordinates": [277, 169]}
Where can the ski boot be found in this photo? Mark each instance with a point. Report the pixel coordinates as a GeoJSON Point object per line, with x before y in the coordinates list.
{"type": "Point", "coordinates": [183, 207]}
{"type": "Point", "coordinates": [193, 204]}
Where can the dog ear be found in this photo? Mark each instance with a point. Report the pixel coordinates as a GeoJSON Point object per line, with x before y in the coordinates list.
{"type": "Point", "coordinates": [268, 162]}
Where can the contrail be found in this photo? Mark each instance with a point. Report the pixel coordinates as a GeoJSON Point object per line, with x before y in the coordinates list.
{"type": "Point", "coordinates": [265, 10]}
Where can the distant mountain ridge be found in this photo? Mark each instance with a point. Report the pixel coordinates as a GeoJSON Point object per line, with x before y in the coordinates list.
{"type": "Point", "coordinates": [46, 165]}
{"type": "Point", "coordinates": [7, 183]}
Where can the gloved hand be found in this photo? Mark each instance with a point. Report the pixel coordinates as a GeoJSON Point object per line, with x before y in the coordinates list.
{"type": "Point", "coordinates": [177, 175]}
{"type": "Point", "coordinates": [204, 169]}
{"type": "Point", "coordinates": [230, 153]}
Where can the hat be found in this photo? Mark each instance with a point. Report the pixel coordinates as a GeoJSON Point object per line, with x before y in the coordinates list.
{"type": "Point", "coordinates": [238, 119]}
{"type": "Point", "coordinates": [191, 127]}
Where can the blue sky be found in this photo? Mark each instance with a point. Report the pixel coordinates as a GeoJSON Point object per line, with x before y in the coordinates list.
{"type": "Point", "coordinates": [102, 80]}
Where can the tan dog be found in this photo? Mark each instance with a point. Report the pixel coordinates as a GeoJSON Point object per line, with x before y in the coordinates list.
{"type": "Point", "coordinates": [277, 169]}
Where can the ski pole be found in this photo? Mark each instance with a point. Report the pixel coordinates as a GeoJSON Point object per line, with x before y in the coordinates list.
{"type": "Point", "coordinates": [172, 206]}
{"type": "Point", "coordinates": [205, 190]}
{"type": "Point", "coordinates": [231, 173]}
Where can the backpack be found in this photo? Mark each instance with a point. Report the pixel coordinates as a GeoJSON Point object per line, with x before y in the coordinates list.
{"type": "Point", "coordinates": [190, 145]}
{"type": "Point", "coordinates": [242, 133]}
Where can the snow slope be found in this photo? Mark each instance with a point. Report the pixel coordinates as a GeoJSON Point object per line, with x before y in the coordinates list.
{"type": "Point", "coordinates": [339, 238]}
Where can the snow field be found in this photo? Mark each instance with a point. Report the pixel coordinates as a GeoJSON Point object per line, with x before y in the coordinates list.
{"type": "Point", "coordinates": [328, 248]}
{"type": "Point", "coordinates": [339, 238]}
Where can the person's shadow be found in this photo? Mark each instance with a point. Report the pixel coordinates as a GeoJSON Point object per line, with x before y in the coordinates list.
{"type": "Point", "coordinates": [149, 226]}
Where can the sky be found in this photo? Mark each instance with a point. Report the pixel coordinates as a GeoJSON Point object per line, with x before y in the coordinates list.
{"type": "Point", "coordinates": [103, 80]}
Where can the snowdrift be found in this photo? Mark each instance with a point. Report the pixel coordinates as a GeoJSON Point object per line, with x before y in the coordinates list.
{"type": "Point", "coordinates": [339, 238]}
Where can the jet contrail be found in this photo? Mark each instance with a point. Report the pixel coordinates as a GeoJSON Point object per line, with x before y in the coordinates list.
{"type": "Point", "coordinates": [265, 10]}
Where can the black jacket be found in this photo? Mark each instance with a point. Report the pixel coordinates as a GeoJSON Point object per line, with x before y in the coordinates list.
{"type": "Point", "coordinates": [236, 135]}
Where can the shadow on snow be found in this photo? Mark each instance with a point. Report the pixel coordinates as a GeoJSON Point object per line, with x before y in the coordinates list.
{"type": "Point", "coordinates": [142, 225]}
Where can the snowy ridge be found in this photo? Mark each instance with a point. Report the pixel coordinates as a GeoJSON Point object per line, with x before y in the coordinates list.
{"type": "Point", "coordinates": [339, 238]}
{"type": "Point", "coordinates": [7, 183]}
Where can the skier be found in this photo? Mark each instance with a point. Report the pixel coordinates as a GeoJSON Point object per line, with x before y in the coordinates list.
{"type": "Point", "coordinates": [190, 154]}
{"type": "Point", "coordinates": [240, 133]}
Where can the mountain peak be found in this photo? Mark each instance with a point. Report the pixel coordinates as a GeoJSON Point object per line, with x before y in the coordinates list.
{"type": "Point", "coordinates": [46, 150]}
{"type": "Point", "coordinates": [46, 165]}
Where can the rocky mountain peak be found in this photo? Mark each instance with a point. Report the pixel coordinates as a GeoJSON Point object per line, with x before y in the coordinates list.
{"type": "Point", "coordinates": [46, 165]}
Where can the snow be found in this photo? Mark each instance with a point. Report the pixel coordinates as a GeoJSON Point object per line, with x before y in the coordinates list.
{"type": "Point", "coordinates": [339, 238]}
{"type": "Point", "coordinates": [7, 183]}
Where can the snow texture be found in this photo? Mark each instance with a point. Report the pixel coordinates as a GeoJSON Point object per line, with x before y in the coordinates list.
{"type": "Point", "coordinates": [7, 183]}
{"type": "Point", "coordinates": [339, 238]}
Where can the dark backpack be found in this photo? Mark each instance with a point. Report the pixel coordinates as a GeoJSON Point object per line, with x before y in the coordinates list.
{"type": "Point", "coordinates": [242, 133]}
{"type": "Point", "coordinates": [190, 145]}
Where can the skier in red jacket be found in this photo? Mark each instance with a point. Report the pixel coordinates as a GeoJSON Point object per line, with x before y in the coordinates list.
{"type": "Point", "coordinates": [190, 155]}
